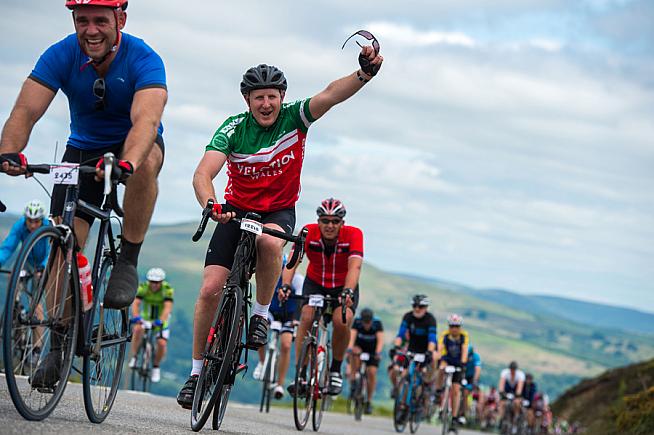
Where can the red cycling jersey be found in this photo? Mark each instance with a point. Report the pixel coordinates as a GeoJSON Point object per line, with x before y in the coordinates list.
{"type": "Point", "coordinates": [328, 264]}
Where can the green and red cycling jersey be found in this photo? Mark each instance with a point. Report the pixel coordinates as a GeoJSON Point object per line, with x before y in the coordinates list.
{"type": "Point", "coordinates": [328, 264]}
{"type": "Point", "coordinates": [264, 164]}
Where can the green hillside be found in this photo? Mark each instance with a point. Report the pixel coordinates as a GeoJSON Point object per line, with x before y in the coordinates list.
{"type": "Point", "coordinates": [622, 401]}
{"type": "Point", "coordinates": [559, 352]}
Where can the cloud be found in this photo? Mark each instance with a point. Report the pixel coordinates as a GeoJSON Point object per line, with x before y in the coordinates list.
{"type": "Point", "coordinates": [404, 35]}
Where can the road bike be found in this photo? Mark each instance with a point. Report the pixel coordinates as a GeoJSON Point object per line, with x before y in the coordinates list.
{"type": "Point", "coordinates": [226, 342]}
{"type": "Point", "coordinates": [410, 401]}
{"type": "Point", "coordinates": [270, 371]}
{"type": "Point", "coordinates": [359, 392]}
{"type": "Point", "coordinates": [311, 396]}
{"type": "Point", "coordinates": [144, 357]}
{"type": "Point", "coordinates": [446, 409]}
{"type": "Point", "coordinates": [52, 316]}
{"type": "Point", "coordinates": [511, 422]}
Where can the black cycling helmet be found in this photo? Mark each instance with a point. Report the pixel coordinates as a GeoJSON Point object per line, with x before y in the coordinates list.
{"type": "Point", "coordinates": [263, 77]}
{"type": "Point", "coordinates": [529, 376]}
{"type": "Point", "coordinates": [366, 315]}
{"type": "Point", "coordinates": [420, 301]}
{"type": "Point", "coordinates": [513, 365]}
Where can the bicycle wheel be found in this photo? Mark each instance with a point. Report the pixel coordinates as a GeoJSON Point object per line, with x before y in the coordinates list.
{"type": "Point", "coordinates": [323, 399]}
{"type": "Point", "coordinates": [446, 412]}
{"type": "Point", "coordinates": [146, 367]}
{"type": "Point", "coordinates": [224, 334]}
{"type": "Point", "coordinates": [416, 406]}
{"type": "Point", "coordinates": [358, 399]}
{"type": "Point", "coordinates": [400, 409]}
{"type": "Point", "coordinates": [45, 315]}
{"type": "Point", "coordinates": [303, 404]}
{"type": "Point", "coordinates": [220, 407]}
{"type": "Point", "coordinates": [103, 361]}
{"type": "Point", "coordinates": [138, 364]}
{"type": "Point", "coordinates": [267, 380]}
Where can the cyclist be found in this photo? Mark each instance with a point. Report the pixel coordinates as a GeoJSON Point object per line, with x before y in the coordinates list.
{"type": "Point", "coordinates": [286, 311]}
{"type": "Point", "coordinates": [529, 394]}
{"type": "Point", "coordinates": [156, 296]}
{"type": "Point", "coordinates": [511, 381]}
{"type": "Point", "coordinates": [453, 350]}
{"type": "Point", "coordinates": [116, 89]}
{"type": "Point", "coordinates": [489, 410]}
{"type": "Point", "coordinates": [264, 150]}
{"type": "Point", "coordinates": [366, 335]}
{"type": "Point", "coordinates": [33, 218]}
{"type": "Point", "coordinates": [472, 374]}
{"type": "Point", "coordinates": [419, 329]}
{"type": "Point", "coordinates": [335, 254]}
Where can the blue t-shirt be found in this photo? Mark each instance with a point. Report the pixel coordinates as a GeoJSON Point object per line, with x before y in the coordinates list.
{"type": "Point", "coordinates": [474, 360]}
{"type": "Point", "coordinates": [17, 235]}
{"type": "Point", "coordinates": [136, 66]}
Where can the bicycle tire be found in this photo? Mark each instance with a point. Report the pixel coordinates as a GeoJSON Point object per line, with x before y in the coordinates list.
{"type": "Point", "coordinates": [265, 389]}
{"type": "Point", "coordinates": [102, 371]}
{"type": "Point", "coordinates": [358, 399]}
{"type": "Point", "coordinates": [323, 398]}
{"type": "Point", "coordinates": [220, 407]}
{"type": "Point", "coordinates": [214, 369]}
{"type": "Point", "coordinates": [55, 275]}
{"type": "Point", "coordinates": [399, 413]}
{"type": "Point", "coordinates": [446, 413]}
{"type": "Point", "coordinates": [146, 368]}
{"type": "Point", "coordinates": [138, 364]}
{"type": "Point", "coordinates": [308, 355]}
{"type": "Point", "coordinates": [416, 405]}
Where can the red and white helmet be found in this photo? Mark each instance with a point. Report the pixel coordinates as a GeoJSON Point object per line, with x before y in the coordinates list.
{"type": "Point", "coordinates": [455, 320]}
{"type": "Point", "coordinates": [115, 4]}
{"type": "Point", "coordinates": [331, 207]}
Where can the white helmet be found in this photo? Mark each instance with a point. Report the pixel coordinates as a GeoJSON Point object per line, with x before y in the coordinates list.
{"type": "Point", "coordinates": [156, 274]}
{"type": "Point", "coordinates": [34, 209]}
{"type": "Point", "coordinates": [455, 320]}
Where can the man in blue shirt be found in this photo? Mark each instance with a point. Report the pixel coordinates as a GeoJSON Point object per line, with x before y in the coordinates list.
{"type": "Point", "coordinates": [116, 89]}
{"type": "Point", "coordinates": [33, 218]}
{"type": "Point", "coordinates": [473, 372]}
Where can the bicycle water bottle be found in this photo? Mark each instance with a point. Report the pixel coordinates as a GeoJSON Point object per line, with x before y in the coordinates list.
{"type": "Point", "coordinates": [86, 283]}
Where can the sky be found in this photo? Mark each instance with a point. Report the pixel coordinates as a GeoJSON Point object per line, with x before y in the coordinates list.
{"type": "Point", "coordinates": [504, 144]}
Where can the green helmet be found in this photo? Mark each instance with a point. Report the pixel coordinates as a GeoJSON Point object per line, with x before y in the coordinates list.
{"type": "Point", "coordinates": [34, 210]}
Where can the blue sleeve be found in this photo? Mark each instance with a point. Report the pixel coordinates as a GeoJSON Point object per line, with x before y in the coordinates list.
{"type": "Point", "coordinates": [150, 71]}
{"type": "Point", "coordinates": [51, 67]}
{"type": "Point", "coordinates": [403, 328]}
{"type": "Point", "coordinates": [11, 241]}
{"type": "Point", "coordinates": [477, 360]}
{"type": "Point", "coordinates": [432, 333]}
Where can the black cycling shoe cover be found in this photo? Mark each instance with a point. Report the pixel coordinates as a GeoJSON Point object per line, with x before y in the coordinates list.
{"type": "Point", "coordinates": [301, 391]}
{"type": "Point", "coordinates": [48, 372]}
{"type": "Point", "coordinates": [335, 384]}
{"type": "Point", "coordinates": [122, 286]}
{"type": "Point", "coordinates": [185, 395]}
{"type": "Point", "coordinates": [257, 332]}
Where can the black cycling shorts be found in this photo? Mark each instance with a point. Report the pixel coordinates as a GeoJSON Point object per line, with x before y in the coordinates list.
{"type": "Point", "coordinates": [313, 288]}
{"type": "Point", "coordinates": [90, 190]}
{"type": "Point", "coordinates": [224, 241]}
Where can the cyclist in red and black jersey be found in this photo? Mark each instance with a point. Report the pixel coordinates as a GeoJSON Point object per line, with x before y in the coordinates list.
{"type": "Point", "coordinates": [263, 149]}
{"type": "Point", "coordinates": [335, 253]}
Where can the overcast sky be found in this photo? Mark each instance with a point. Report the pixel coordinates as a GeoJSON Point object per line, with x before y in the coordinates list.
{"type": "Point", "coordinates": [504, 144]}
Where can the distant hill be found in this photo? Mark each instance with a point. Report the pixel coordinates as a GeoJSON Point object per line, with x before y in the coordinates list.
{"type": "Point", "coordinates": [597, 315]}
{"type": "Point", "coordinates": [559, 352]}
{"type": "Point", "coordinates": [619, 401]}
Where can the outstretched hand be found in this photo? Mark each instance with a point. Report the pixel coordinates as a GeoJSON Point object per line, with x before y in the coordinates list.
{"type": "Point", "coordinates": [370, 61]}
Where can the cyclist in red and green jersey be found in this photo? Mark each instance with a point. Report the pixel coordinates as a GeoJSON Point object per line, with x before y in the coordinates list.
{"type": "Point", "coordinates": [264, 150]}
{"type": "Point", "coordinates": [335, 253]}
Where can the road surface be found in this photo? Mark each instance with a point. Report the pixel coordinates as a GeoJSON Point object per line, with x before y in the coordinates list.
{"type": "Point", "coordinates": [146, 413]}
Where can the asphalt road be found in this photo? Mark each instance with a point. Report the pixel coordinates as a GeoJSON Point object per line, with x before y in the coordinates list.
{"type": "Point", "coordinates": [145, 413]}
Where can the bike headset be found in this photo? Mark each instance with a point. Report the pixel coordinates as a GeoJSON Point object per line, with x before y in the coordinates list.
{"type": "Point", "coordinates": [118, 6]}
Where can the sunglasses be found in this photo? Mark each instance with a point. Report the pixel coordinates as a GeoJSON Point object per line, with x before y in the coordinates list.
{"type": "Point", "coordinates": [99, 91]}
{"type": "Point", "coordinates": [369, 36]}
{"type": "Point", "coordinates": [326, 221]}
{"type": "Point", "coordinates": [420, 306]}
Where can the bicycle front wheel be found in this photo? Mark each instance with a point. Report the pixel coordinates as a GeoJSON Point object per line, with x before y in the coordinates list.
{"type": "Point", "coordinates": [103, 359]}
{"type": "Point", "coordinates": [358, 398]}
{"type": "Point", "coordinates": [323, 399]}
{"type": "Point", "coordinates": [446, 412]}
{"type": "Point", "coordinates": [416, 407]}
{"type": "Point", "coordinates": [40, 325]}
{"type": "Point", "coordinates": [400, 408]}
{"type": "Point", "coordinates": [303, 403]}
{"type": "Point", "coordinates": [224, 335]}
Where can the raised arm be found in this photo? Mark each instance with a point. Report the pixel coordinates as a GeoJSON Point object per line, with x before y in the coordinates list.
{"type": "Point", "coordinates": [147, 109]}
{"type": "Point", "coordinates": [343, 88]}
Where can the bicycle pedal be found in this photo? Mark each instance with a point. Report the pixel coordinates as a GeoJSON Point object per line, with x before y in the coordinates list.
{"type": "Point", "coordinates": [241, 367]}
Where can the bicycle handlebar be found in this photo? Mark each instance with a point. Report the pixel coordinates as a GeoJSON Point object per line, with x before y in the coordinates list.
{"type": "Point", "coordinates": [328, 299]}
{"type": "Point", "coordinates": [298, 241]}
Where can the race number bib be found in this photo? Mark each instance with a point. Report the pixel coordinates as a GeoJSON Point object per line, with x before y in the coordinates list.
{"type": "Point", "coordinates": [252, 226]}
{"type": "Point", "coordinates": [419, 357]}
{"type": "Point", "coordinates": [365, 357]}
{"type": "Point", "coordinates": [65, 173]}
{"type": "Point", "coordinates": [316, 300]}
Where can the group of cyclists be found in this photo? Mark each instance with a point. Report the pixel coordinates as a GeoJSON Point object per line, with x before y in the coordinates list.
{"type": "Point", "coordinates": [117, 90]}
